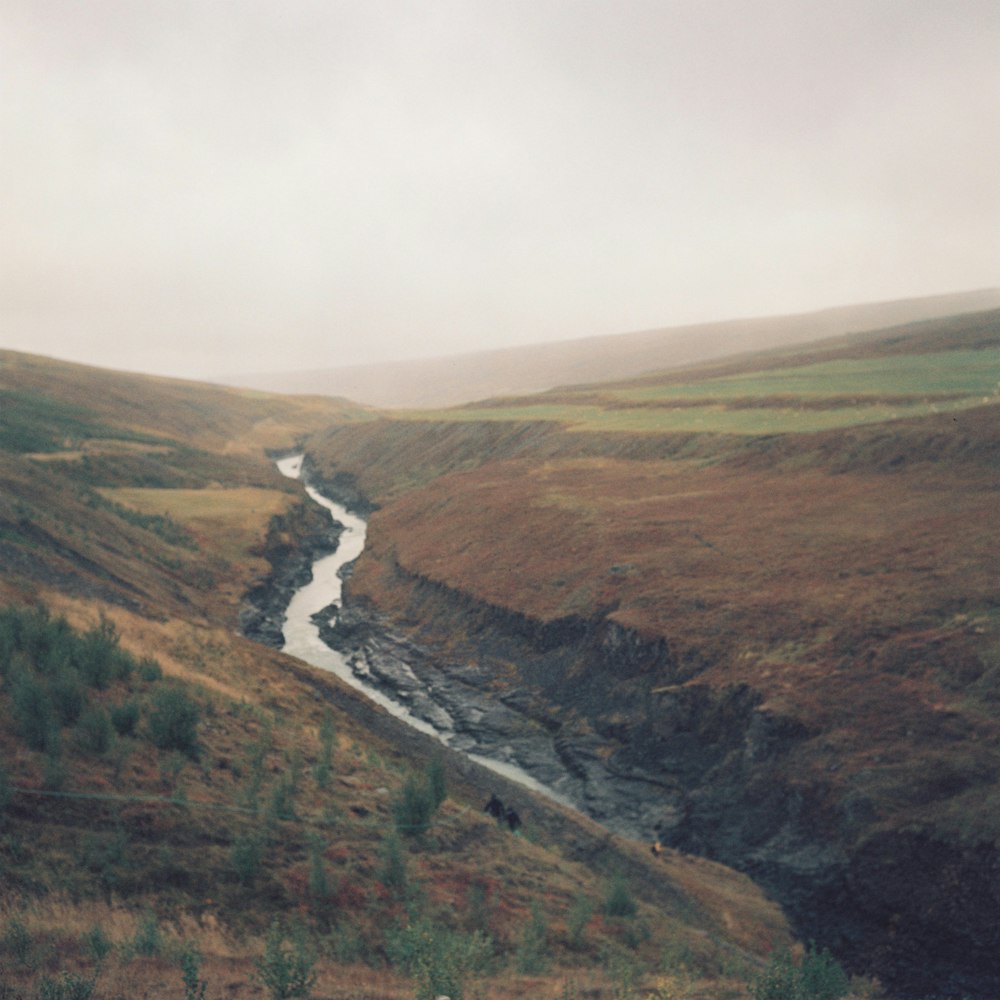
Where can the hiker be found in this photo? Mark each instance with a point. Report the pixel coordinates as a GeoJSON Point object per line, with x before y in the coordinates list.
{"type": "Point", "coordinates": [495, 808]}
{"type": "Point", "coordinates": [513, 820]}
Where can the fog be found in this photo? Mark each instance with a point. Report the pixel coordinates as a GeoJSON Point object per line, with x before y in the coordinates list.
{"type": "Point", "coordinates": [199, 188]}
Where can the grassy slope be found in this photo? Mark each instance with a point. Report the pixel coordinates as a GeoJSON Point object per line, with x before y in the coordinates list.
{"type": "Point", "coordinates": [847, 574]}
{"type": "Point", "coordinates": [149, 508]}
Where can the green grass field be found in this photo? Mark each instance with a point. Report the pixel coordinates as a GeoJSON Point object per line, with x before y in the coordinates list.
{"type": "Point", "coordinates": [782, 401]}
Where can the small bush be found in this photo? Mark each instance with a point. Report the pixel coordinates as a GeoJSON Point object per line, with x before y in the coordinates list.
{"type": "Point", "coordinates": [436, 787]}
{"type": "Point", "coordinates": [576, 921]}
{"type": "Point", "coordinates": [33, 713]}
{"type": "Point", "coordinates": [125, 718]}
{"type": "Point", "coordinates": [148, 940]}
{"type": "Point", "coordinates": [619, 901]}
{"type": "Point", "coordinates": [245, 857]}
{"type": "Point", "coordinates": [97, 944]}
{"type": "Point", "coordinates": [817, 977]}
{"type": "Point", "coordinates": [94, 731]}
{"type": "Point", "coordinates": [319, 883]}
{"type": "Point", "coordinates": [97, 655]}
{"type": "Point", "coordinates": [17, 943]}
{"type": "Point", "coordinates": [69, 987]}
{"type": "Point", "coordinates": [190, 962]}
{"type": "Point", "coordinates": [392, 874]}
{"type": "Point", "coordinates": [150, 670]}
{"type": "Point", "coordinates": [440, 960]}
{"type": "Point", "coordinates": [282, 803]}
{"type": "Point", "coordinates": [67, 696]}
{"type": "Point", "coordinates": [173, 721]}
{"type": "Point", "coordinates": [822, 977]}
{"type": "Point", "coordinates": [413, 810]}
{"type": "Point", "coordinates": [285, 971]}
{"type": "Point", "coordinates": [531, 957]}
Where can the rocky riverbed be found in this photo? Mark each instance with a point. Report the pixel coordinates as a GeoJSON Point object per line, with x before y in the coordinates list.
{"type": "Point", "coordinates": [574, 703]}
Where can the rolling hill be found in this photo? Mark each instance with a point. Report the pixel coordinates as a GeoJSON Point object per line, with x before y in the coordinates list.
{"type": "Point", "coordinates": [448, 381]}
{"type": "Point", "coordinates": [758, 595]}
{"type": "Point", "coordinates": [182, 808]}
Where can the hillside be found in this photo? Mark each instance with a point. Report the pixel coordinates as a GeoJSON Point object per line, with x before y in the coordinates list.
{"type": "Point", "coordinates": [448, 381]}
{"type": "Point", "coordinates": [759, 595]}
{"type": "Point", "coordinates": [182, 808]}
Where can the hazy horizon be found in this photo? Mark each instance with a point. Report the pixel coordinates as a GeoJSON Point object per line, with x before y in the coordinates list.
{"type": "Point", "coordinates": [200, 189]}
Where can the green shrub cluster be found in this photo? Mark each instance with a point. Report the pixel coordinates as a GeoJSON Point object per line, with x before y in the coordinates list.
{"type": "Point", "coordinates": [419, 800]}
{"type": "Point", "coordinates": [161, 525]}
{"type": "Point", "coordinates": [51, 676]}
{"type": "Point", "coordinates": [817, 977]}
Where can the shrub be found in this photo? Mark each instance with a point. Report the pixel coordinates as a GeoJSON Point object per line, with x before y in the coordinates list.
{"type": "Point", "coordinates": [150, 670]}
{"type": "Point", "coordinates": [436, 786]}
{"type": "Point", "coordinates": [97, 944]}
{"type": "Point", "coordinates": [125, 717]}
{"type": "Point", "coordinates": [190, 962]}
{"type": "Point", "coordinates": [33, 713]}
{"type": "Point", "coordinates": [173, 721]}
{"type": "Point", "coordinates": [619, 901]}
{"type": "Point", "coordinates": [282, 803]}
{"type": "Point", "coordinates": [67, 695]}
{"type": "Point", "coordinates": [246, 856]}
{"type": "Point", "coordinates": [439, 959]}
{"type": "Point", "coordinates": [17, 943]}
{"type": "Point", "coordinates": [148, 940]}
{"type": "Point", "coordinates": [531, 957]}
{"type": "Point", "coordinates": [69, 987]}
{"type": "Point", "coordinates": [393, 871]}
{"type": "Point", "coordinates": [576, 921]}
{"type": "Point", "coordinates": [413, 809]}
{"type": "Point", "coordinates": [319, 884]}
{"type": "Point", "coordinates": [822, 977]}
{"type": "Point", "coordinates": [97, 655]}
{"type": "Point", "coordinates": [94, 730]}
{"type": "Point", "coordinates": [818, 977]}
{"type": "Point", "coordinates": [285, 971]}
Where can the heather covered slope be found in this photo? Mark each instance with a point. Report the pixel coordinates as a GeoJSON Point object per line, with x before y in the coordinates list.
{"type": "Point", "coordinates": [765, 590]}
{"type": "Point", "coordinates": [169, 788]}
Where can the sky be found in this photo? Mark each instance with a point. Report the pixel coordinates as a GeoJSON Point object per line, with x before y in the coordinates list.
{"type": "Point", "coordinates": [208, 187]}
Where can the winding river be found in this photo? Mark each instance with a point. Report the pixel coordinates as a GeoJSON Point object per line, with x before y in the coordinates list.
{"type": "Point", "coordinates": [323, 596]}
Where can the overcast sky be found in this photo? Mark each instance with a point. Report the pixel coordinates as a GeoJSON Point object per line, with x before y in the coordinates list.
{"type": "Point", "coordinates": [199, 187]}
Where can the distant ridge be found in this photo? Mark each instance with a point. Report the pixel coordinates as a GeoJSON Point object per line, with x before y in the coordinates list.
{"type": "Point", "coordinates": [464, 378]}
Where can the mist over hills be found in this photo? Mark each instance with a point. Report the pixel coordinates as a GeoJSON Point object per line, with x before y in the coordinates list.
{"type": "Point", "coordinates": [464, 378]}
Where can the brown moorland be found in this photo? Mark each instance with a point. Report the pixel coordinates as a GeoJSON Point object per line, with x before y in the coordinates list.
{"type": "Point", "coordinates": [794, 633]}
{"type": "Point", "coordinates": [171, 792]}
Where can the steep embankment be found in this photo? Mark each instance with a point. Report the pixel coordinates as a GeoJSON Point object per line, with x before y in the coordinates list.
{"type": "Point", "coordinates": [787, 643]}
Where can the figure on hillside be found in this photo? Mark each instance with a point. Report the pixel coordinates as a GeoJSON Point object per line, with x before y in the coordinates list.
{"type": "Point", "coordinates": [656, 849]}
{"type": "Point", "coordinates": [495, 808]}
{"type": "Point", "coordinates": [513, 820]}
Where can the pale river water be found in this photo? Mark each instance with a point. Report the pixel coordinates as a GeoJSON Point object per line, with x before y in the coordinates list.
{"type": "Point", "coordinates": [302, 639]}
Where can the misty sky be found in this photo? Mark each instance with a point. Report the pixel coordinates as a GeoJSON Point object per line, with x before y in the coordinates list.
{"type": "Point", "coordinates": [200, 187]}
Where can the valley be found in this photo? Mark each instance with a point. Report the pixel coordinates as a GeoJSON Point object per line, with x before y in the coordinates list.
{"type": "Point", "coordinates": [746, 610]}
{"type": "Point", "coordinates": [178, 800]}
{"type": "Point", "coordinates": [779, 649]}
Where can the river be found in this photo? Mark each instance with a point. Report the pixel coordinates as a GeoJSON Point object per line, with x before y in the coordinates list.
{"type": "Point", "coordinates": [323, 596]}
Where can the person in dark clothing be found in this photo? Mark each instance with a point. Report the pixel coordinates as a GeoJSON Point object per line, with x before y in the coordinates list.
{"type": "Point", "coordinates": [513, 820]}
{"type": "Point", "coordinates": [495, 808]}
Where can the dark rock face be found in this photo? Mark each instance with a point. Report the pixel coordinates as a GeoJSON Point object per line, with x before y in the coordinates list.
{"type": "Point", "coordinates": [610, 721]}
{"type": "Point", "coordinates": [294, 542]}
{"type": "Point", "coordinates": [701, 769]}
